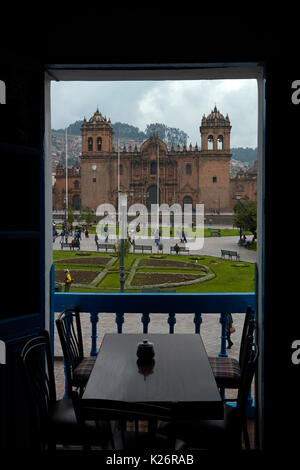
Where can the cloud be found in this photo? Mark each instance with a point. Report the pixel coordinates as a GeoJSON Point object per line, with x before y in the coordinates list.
{"type": "Point", "coordinates": [179, 104]}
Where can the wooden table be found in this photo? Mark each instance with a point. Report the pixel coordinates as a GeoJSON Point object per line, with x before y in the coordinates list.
{"type": "Point", "coordinates": [181, 373]}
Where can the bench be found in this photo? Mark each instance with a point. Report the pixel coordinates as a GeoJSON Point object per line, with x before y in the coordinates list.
{"type": "Point", "coordinates": [230, 254]}
{"type": "Point", "coordinates": [143, 248]}
{"type": "Point", "coordinates": [105, 246]}
{"type": "Point", "coordinates": [182, 249]}
{"type": "Point", "coordinates": [70, 245]}
{"type": "Point", "coordinates": [215, 233]}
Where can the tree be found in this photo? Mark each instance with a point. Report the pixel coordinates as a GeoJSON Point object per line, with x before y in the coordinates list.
{"type": "Point", "coordinates": [70, 217]}
{"type": "Point", "coordinates": [245, 216]}
{"type": "Point", "coordinates": [87, 215]}
{"type": "Point", "coordinates": [118, 248]}
{"type": "Point", "coordinates": [169, 135]}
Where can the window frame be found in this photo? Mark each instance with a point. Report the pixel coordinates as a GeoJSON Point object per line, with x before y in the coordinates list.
{"type": "Point", "coordinates": [175, 71]}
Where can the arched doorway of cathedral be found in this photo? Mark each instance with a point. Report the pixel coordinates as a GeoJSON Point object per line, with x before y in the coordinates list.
{"type": "Point", "coordinates": [187, 200]}
{"type": "Point", "coordinates": [76, 202]}
{"type": "Point", "coordinates": [152, 196]}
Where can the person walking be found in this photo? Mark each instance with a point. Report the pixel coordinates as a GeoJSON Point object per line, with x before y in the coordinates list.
{"type": "Point", "coordinates": [229, 329]}
{"type": "Point", "coordinates": [54, 234]}
{"type": "Point", "coordinates": [106, 233]}
{"type": "Point", "coordinates": [157, 237]}
{"type": "Point", "coordinates": [68, 280]}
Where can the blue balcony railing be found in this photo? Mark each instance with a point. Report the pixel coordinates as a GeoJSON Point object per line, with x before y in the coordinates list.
{"type": "Point", "coordinates": [148, 304]}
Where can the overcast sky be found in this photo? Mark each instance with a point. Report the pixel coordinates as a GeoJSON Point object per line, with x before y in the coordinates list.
{"type": "Point", "coordinates": [179, 104]}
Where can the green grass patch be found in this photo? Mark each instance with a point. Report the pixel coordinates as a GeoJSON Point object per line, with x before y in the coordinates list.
{"type": "Point", "coordinates": [111, 280]}
{"type": "Point", "coordinates": [230, 277]}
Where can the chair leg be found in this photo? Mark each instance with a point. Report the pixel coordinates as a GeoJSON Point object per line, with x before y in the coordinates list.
{"type": "Point", "coordinates": [246, 435]}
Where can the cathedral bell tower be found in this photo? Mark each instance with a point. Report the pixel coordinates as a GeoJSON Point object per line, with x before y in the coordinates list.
{"type": "Point", "coordinates": [215, 132]}
{"type": "Point", "coordinates": [97, 135]}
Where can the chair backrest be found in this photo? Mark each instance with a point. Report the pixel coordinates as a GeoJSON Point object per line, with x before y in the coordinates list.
{"type": "Point", "coordinates": [247, 374]}
{"type": "Point", "coordinates": [247, 334]}
{"type": "Point", "coordinates": [70, 335]}
{"type": "Point", "coordinates": [38, 373]}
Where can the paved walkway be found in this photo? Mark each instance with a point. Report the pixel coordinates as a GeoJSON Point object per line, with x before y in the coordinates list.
{"type": "Point", "coordinates": [212, 246]}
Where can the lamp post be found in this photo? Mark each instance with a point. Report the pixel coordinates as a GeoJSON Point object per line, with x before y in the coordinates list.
{"type": "Point", "coordinates": [67, 197]}
{"type": "Point", "coordinates": [238, 198]}
{"type": "Point", "coordinates": [123, 234]}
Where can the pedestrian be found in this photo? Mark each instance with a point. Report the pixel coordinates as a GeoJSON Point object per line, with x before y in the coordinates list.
{"type": "Point", "coordinates": [68, 280]}
{"type": "Point", "coordinates": [96, 238]}
{"type": "Point", "coordinates": [55, 234]}
{"type": "Point", "coordinates": [133, 238]}
{"type": "Point", "coordinates": [176, 249]}
{"type": "Point", "coordinates": [62, 236]}
{"type": "Point", "coordinates": [106, 233]}
{"type": "Point", "coordinates": [229, 330]}
{"type": "Point", "coordinates": [183, 237]}
{"type": "Point", "coordinates": [157, 237]}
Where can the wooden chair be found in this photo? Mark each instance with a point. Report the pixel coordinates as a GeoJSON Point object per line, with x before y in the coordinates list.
{"type": "Point", "coordinates": [120, 414]}
{"type": "Point", "coordinates": [52, 421]}
{"type": "Point", "coordinates": [227, 370]}
{"type": "Point", "coordinates": [77, 367]}
{"type": "Point", "coordinates": [218, 434]}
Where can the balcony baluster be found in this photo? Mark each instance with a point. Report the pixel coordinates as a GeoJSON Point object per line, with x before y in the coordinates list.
{"type": "Point", "coordinates": [197, 320]}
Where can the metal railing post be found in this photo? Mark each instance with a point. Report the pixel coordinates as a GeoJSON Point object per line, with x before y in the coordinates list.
{"type": "Point", "coordinates": [119, 321]}
{"type": "Point", "coordinates": [171, 321]}
{"type": "Point", "coordinates": [197, 321]}
{"type": "Point", "coordinates": [94, 317]}
{"type": "Point", "coordinates": [145, 320]}
{"type": "Point", "coordinates": [223, 321]}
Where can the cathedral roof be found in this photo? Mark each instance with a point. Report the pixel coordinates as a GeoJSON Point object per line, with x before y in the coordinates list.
{"type": "Point", "coordinates": [96, 119]}
{"type": "Point", "coordinates": [153, 141]}
{"type": "Point", "coordinates": [215, 117]}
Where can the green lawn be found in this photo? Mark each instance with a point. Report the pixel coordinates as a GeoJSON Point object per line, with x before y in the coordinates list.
{"type": "Point", "coordinates": [230, 276]}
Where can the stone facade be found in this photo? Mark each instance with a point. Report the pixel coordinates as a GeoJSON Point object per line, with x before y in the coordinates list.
{"type": "Point", "coordinates": [244, 184]}
{"type": "Point", "coordinates": [184, 175]}
{"type": "Point", "coordinates": [74, 188]}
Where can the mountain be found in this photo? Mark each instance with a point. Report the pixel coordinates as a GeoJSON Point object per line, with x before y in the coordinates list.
{"type": "Point", "coordinates": [244, 154]}
{"type": "Point", "coordinates": [124, 132]}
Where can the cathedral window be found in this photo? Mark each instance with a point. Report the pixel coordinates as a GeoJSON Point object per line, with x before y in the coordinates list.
{"type": "Point", "coordinates": [153, 168]}
{"type": "Point", "coordinates": [188, 169]}
{"type": "Point", "coordinates": [210, 142]}
{"type": "Point", "coordinates": [214, 179]}
{"type": "Point", "coordinates": [99, 143]}
{"type": "Point", "coordinates": [90, 144]}
{"type": "Point", "coordinates": [220, 142]}
{"type": "Point", "coordinates": [76, 184]}
{"type": "Point", "coordinates": [121, 170]}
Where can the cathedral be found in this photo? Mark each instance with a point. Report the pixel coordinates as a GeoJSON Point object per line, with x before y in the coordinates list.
{"type": "Point", "coordinates": [153, 173]}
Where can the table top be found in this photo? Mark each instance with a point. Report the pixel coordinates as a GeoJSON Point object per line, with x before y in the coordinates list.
{"type": "Point", "coordinates": [181, 373]}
